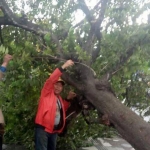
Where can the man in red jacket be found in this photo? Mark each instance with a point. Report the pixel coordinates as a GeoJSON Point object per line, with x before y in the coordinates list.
{"type": "Point", "coordinates": [50, 117]}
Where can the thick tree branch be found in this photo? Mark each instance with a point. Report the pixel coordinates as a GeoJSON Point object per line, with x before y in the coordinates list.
{"type": "Point", "coordinates": [95, 52]}
{"type": "Point", "coordinates": [95, 26]}
{"type": "Point", "coordinates": [93, 31]}
{"type": "Point", "coordinates": [98, 25]}
{"type": "Point", "coordinates": [86, 10]}
{"type": "Point", "coordinates": [97, 5]}
{"type": "Point", "coordinates": [11, 19]}
{"type": "Point", "coordinates": [5, 21]}
{"type": "Point", "coordinates": [88, 45]}
{"type": "Point", "coordinates": [67, 78]}
{"type": "Point", "coordinates": [83, 20]}
{"type": "Point", "coordinates": [91, 36]}
{"type": "Point", "coordinates": [102, 12]}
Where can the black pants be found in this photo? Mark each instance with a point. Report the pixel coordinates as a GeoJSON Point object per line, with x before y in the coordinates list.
{"type": "Point", "coordinates": [44, 140]}
{"type": "Point", "coordinates": [1, 141]}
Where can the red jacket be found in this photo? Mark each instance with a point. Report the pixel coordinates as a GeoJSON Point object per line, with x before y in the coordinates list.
{"type": "Point", "coordinates": [47, 104]}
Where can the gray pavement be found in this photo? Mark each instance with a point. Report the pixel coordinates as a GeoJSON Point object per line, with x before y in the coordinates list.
{"type": "Point", "coordinates": [108, 144]}
{"type": "Point", "coordinates": [115, 143]}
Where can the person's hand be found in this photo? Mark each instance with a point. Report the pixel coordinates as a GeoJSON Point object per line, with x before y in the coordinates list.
{"type": "Point", "coordinates": [67, 64]}
{"type": "Point", "coordinates": [71, 95]}
{"type": "Point", "coordinates": [6, 60]}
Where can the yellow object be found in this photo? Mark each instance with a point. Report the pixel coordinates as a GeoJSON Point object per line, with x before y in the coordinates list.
{"type": "Point", "coordinates": [59, 80]}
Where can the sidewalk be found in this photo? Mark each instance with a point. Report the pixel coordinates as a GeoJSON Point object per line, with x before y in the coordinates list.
{"type": "Point", "coordinates": [98, 144]}
{"type": "Point", "coordinates": [109, 144]}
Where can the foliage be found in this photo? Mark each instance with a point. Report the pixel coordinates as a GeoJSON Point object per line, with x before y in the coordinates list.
{"type": "Point", "coordinates": [79, 133]}
{"type": "Point", "coordinates": [20, 90]}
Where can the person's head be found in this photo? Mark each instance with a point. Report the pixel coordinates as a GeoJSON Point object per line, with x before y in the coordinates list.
{"type": "Point", "coordinates": [58, 86]}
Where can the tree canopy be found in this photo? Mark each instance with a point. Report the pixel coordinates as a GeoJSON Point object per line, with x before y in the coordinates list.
{"type": "Point", "coordinates": [109, 46]}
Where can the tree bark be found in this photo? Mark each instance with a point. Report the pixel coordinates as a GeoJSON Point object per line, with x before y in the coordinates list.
{"type": "Point", "coordinates": [131, 126]}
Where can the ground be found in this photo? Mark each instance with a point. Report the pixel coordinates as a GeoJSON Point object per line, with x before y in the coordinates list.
{"type": "Point", "coordinates": [115, 143]}
{"type": "Point", "coordinates": [109, 144]}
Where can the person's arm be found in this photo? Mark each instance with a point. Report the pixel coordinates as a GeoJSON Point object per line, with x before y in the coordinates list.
{"type": "Point", "coordinates": [6, 60]}
{"type": "Point", "coordinates": [56, 74]}
{"type": "Point", "coordinates": [1, 74]}
{"type": "Point", "coordinates": [70, 97]}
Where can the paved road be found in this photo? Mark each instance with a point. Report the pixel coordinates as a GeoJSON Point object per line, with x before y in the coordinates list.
{"type": "Point", "coordinates": [109, 144]}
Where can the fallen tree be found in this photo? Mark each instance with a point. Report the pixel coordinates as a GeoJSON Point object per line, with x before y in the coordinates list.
{"type": "Point", "coordinates": [97, 90]}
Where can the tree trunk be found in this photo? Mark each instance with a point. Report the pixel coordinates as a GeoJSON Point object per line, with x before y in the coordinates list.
{"type": "Point", "coordinates": [131, 126]}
